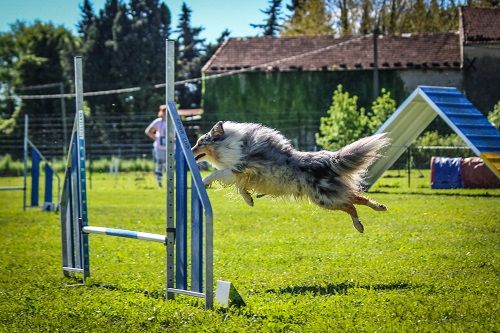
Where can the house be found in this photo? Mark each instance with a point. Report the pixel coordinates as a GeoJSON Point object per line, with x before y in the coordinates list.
{"type": "Point", "coordinates": [287, 82]}
{"type": "Point", "coordinates": [480, 39]}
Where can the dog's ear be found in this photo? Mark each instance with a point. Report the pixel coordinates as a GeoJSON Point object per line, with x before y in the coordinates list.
{"type": "Point", "coordinates": [217, 131]}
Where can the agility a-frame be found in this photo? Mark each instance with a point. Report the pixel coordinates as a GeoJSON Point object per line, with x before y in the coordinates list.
{"type": "Point", "coordinates": [418, 111]}
{"type": "Point", "coordinates": [74, 214]}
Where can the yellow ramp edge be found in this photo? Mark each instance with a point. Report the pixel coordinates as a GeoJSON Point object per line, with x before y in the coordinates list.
{"type": "Point", "coordinates": [492, 160]}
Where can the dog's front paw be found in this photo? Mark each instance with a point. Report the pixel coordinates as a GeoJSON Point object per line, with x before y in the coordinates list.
{"type": "Point", "coordinates": [381, 208]}
{"type": "Point", "coordinates": [207, 182]}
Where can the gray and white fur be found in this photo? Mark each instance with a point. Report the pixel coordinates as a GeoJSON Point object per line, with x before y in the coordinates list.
{"type": "Point", "coordinates": [260, 160]}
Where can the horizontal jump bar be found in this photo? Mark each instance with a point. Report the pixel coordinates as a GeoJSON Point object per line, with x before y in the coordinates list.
{"type": "Point", "coordinates": [186, 292]}
{"type": "Point", "coordinates": [11, 188]}
{"type": "Point", "coordinates": [72, 269]}
{"type": "Point", "coordinates": [125, 233]}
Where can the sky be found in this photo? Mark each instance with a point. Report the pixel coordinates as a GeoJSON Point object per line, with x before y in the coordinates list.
{"type": "Point", "coordinates": [213, 15]}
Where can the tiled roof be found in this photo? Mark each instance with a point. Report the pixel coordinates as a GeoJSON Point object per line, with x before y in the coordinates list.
{"type": "Point", "coordinates": [316, 53]}
{"type": "Point", "coordinates": [480, 25]}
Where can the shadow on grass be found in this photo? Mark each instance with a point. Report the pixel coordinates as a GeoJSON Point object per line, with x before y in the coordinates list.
{"type": "Point", "coordinates": [452, 194]}
{"type": "Point", "coordinates": [156, 294]}
{"type": "Point", "coordinates": [338, 289]}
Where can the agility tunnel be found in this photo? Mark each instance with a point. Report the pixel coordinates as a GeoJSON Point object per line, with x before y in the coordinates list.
{"type": "Point", "coordinates": [75, 228]}
{"type": "Point", "coordinates": [31, 151]}
{"type": "Point", "coordinates": [457, 172]}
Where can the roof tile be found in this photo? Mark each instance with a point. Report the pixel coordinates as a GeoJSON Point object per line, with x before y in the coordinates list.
{"type": "Point", "coordinates": [480, 24]}
{"type": "Point", "coordinates": [313, 53]}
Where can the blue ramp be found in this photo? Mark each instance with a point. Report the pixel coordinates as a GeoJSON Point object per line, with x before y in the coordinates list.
{"type": "Point", "coordinates": [418, 111]}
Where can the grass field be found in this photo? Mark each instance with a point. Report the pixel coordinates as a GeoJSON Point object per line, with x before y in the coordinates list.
{"type": "Point", "coordinates": [431, 263]}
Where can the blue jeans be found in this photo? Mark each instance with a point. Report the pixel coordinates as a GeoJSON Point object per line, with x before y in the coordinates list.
{"type": "Point", "coordinates": [159, 159]}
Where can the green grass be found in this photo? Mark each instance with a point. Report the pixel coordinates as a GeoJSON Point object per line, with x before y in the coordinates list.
{"type": "Point", "coordinates": [428, 264]}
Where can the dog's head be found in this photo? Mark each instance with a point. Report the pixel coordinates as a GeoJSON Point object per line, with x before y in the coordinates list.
{"type": "Point", "coordinates": [205, 148]}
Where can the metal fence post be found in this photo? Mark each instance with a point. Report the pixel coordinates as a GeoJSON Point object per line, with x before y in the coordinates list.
{"type": "Point", "coordinates": [170, 170]}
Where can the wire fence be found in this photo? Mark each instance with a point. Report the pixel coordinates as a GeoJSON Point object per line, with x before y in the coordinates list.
{"type": "Point", "coordinates": [124, 139]}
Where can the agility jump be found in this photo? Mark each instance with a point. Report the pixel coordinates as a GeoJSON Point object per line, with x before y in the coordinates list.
{"type": "Point", "coordinates": [36, 158]}
{"type": "Point", "coordinates": [75, 227]}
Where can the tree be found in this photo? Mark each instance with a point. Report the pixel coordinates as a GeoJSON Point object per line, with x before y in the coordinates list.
{"type": "Point", "coordinates": [418, 16]}
{"type": "Point", "coordinates": [366, 26]}
{"type": "Point", "coordinates": [344, 123]}
{"type": "Point", "coordinates": [124, 46]}
{"type": "Point", "coordinates": [381, 109]}
{"type": "Point", "coordinates": [189, 59]}
{"type": "Point", "coordinates": [310, 17]}
{"type": "Point", "coordinates": [212, 47]}
{"type": "Point", "coordinates": [33, 55]}
{"type": "Point", "coordinates": [345, 26]}
{"type": "Point", "coordinates": [8, 58]}
{"type": "Point", "coordinates": [434, 20]}
{"type": "Point", "coordinates": [87, 17]}
{"type": "Point", "coordinates": [271, 25]}
{"type": "Point", "coordinates": [494, 115]}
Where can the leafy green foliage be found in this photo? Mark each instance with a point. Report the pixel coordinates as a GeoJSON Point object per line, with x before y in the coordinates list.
{"type": "Point", "coordinates": [494, 115]}
{"type": "Point", "coordinates": [433, 138]}
{"type": "Point", "coordinates": [31, 55]}
{"type": "Point", "coordinates": [308, 18]}
{"type": "Point", "coordinates": [382, 108]}
{"type": "Point", "coordinates": [344, 123]}
{"type": "Point", "coordinates": [428, 264]}
{"type": "Point", "coordinates": [292, 102]}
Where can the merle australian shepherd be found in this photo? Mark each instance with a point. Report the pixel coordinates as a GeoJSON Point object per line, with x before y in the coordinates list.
{"type": "Point", "coordinates": [260, 160]}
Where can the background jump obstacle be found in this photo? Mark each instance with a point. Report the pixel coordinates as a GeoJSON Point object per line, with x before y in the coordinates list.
{"type": "Point", "coordinates": [74, 212]}
{"type": "Point", "coordinates": [36, 158]}
{"type": "Point", "coordinates": [418, 111]}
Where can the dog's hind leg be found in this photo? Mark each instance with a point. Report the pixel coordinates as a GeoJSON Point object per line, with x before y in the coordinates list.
{"type": "Point", "coordinates": [246, 196]}
{"type": "Point", "coordinates": [361, 200]}
{"type": "Point", "coordinates": [351, 210]}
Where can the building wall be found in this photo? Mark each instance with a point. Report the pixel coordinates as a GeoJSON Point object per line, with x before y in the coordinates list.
{"type": "Point", "coordinates": [294, 102]}
{"type": "Point", "coordinates": [482, 76]}
{"type": "Point", "coordinates": [446, 78]}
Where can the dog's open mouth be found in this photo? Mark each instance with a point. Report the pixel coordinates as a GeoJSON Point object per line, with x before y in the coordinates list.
{"type": "Point", "coordinates": [199, 156]}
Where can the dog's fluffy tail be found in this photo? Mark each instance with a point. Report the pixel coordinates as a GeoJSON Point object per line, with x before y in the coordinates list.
{"type": "Point", "coordinates": [354, 159]}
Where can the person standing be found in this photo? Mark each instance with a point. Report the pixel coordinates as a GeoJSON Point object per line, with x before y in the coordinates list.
{"type": "Point", "coordinates": [156, 131]}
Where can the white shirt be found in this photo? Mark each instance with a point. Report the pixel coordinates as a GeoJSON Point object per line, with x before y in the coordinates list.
{"type": "Point", "coordinates": [160, 126]}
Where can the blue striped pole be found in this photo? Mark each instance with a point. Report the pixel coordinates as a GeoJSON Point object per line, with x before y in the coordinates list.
{"type": "Point", "coordinates": [125, 233]}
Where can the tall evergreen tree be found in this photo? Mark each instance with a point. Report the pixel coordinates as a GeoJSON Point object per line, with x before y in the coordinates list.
{"type": "Point", "coordinates": [271, 25]}
{"type": "Point", "coordinates": [123, 48]}
{"type": "Point", "coordinates": [87, 17]}
{"type": "Point", "coordinates": [189, 59]}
